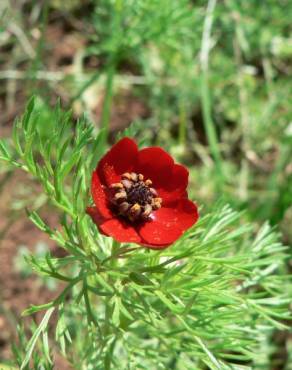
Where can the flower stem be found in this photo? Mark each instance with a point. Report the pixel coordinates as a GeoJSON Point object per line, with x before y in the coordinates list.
{"type": "Point", "coordinates": [205, 93]}
{"type": "Point", "coordinates": [108, 308]}
{"type": "Point", "coordinates": [106, 110]}
{"type": "Point", "coordinates": [40, 46]}
{"type": "Point", "coordinates": [182, 123]}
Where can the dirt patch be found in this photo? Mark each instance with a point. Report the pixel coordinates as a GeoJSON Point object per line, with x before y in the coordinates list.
{"type": "Point", "coordinates": [126, 108]}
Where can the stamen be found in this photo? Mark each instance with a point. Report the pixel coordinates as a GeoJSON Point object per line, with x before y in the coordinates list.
{"type": "Point", "coordinates": [135, 211]}
{"type": "Point", "coordinates": [123, 207]}
{"type": "Point", "coordinates": [121, 195]}
{"type": "Point", "coordinates": [134, 176]}
{"type": "Point", "coordinates": [147, 211]}
{"type": "Point", "coordinates": [127, 184]}
{"type": "Point", "coordinates": [127, 176]}
{"type": "Point", "coordinates": [117, 185]}
{"type": "Point", "coordinates": [156, 203]}
{"type": "Point", "coordinates": [148, 182]}
{"type": "Point", "coordinates": [134, 198]}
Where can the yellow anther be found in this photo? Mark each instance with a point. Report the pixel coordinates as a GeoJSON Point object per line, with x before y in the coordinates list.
{"type": "Point", "coordinates": [147, 211]}
{"type": "Point", "coordinates": [123, 207]}
{"type": "Point", "coordinates": [120, 195]}
{"type": "Point", "coordinates": [117, 185]}
{"type": "Point", "coordinates": [127, 176]}
{"type": "Point", "coordinates": [135, 211]}
{"type": "Point", "coordinates": [127, 183]}
{"type": "Point", "coordinates": [148, 182]}
{"type": "Point", "coordinates": [134, 176]}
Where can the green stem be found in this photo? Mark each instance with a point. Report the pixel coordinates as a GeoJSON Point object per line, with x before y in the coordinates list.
{"type": "Point", "coordinates": [109, 355]}
{"type": "Point", "coordinates": [182, 123]}
{"type": "Point", "coordinates": [205, 93]}
{"type": "Point", "coordinates": [243, 109]}
{"type": "Point", "coordinates": [209, 124]}
{"type": "Point", "coordinates": [108, 308]}
{"type": "Point", "coordinates": [106, 110]}
{"type": "Point", "coordinates": [37, 60]}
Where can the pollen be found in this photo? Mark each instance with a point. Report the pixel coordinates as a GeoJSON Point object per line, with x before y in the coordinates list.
{"type": "Point", "coordinates": [134, 198]}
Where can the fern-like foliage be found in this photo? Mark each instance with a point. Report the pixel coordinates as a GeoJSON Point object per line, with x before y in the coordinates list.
{"type": "Point", "coordinates": [208, 302]}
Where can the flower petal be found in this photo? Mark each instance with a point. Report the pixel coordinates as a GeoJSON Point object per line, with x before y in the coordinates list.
{"type": "Point", "coordinates": [176, 186]}
{"type": "Point", "coordinates": [119, 159]}
{"type": "Point", "coordinates": [157, 235]}
{"type": "Point", "coordinates": [180, 177]}
{"type": "Point", "coordinates": [182, 215]}
{"type": "Point", "coordinates": [95, 215]}
{"type": "Point", "coordinates": [120, 231]}
{"type": "Point", "coordinates": [99, 197]}
{"type": "Point", "coordinates": [154, 163]}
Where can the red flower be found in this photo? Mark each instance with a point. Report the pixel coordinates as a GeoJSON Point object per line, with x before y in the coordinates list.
{"type": "Point", "coordinates": [140, 196]}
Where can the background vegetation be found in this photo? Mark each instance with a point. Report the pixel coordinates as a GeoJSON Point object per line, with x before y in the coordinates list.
{"type": "Point", "coordinates": [208, 81]}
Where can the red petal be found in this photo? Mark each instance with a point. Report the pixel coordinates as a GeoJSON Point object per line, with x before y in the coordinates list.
{"type": "Point", "coordinates": [120, 231]}
{"type": "Point", "coordinates": [119, 159]}
{"type": "Point", "coordinates": [99, 197]}
{"type": "Point", "coordinates": [176, 186]}
{"type": "Point", "coordinates": [157, 235]}
{"type": "Point", "coordinates": [181, 215]}
{"type": "Point", "coordinates": [95, 215]}
{"type": "Point", "coordinates": [154, 163]}
{"type": "Point", "coordinates": [180, 177]}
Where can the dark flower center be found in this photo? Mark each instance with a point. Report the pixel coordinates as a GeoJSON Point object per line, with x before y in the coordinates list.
{"type": "Point", "coordinates": [139, 193]}
{"type": "Point", "coordinates": [134, 198]}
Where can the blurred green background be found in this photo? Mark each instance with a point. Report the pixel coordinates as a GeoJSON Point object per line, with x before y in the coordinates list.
{"type": "Point", "coordinates": [209, 81]}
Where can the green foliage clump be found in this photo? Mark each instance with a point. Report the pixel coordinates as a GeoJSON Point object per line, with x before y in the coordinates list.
{"type": "Point", "coordinates": [209, 301]}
